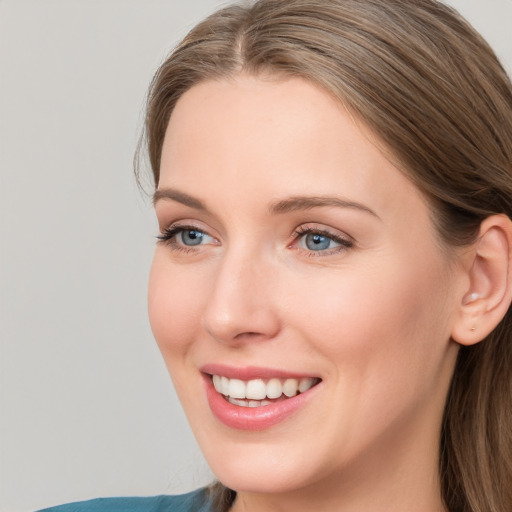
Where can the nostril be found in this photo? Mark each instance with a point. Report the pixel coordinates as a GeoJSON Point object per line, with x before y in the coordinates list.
{"type": "Point", "coordinates": [250, 334]}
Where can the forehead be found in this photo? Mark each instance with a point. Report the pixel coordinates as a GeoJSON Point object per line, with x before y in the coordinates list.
{"type": "Point", "coordinates": [276, 137]}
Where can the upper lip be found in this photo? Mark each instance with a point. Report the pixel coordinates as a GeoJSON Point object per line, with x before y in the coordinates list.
{"type": "Point", "coordinates": [251, 372]}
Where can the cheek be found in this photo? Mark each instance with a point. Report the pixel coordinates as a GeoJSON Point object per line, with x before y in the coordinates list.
{"type": "Point", "coordinates": [388, 317]}
{"type": "Point", "coordinates": [174, 304]}
{"type": "Point", "coordinates": [385, 336]}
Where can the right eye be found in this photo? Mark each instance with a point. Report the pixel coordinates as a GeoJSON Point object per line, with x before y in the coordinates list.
{"type": "Point", "coordinates": [191, 237]}
{"type": "Point", "coordinates": [184, 237]}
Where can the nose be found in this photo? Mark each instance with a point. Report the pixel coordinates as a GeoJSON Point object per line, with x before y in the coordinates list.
{"type": "Point", "coordinates": [241, 306]}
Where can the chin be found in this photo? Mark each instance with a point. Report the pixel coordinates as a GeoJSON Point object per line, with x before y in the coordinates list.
{"type": "Point", "coordinates": [260, 476]}
{"type": "Point", "coordinates": [274, 461]}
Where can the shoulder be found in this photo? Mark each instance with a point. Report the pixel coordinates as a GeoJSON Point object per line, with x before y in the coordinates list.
{"type": "Point", "coordinates": [196, 501]}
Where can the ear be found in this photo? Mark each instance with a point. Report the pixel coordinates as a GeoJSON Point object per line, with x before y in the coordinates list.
{"type": "Point", "coordinates": [488, 297]}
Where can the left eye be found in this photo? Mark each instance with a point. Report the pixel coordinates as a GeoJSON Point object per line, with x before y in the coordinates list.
{"type": "Point", "coordinates": [317, 242]}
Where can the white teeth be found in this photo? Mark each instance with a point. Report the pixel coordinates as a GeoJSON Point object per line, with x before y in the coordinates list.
{"type": "Point", "coordinates": [236, 388]}
{"type": "Point", "coordinates": [216, 383]}
{"type": "Point", "coordinates": [290, 387]}
{"type": "Point", "coordinates": [234, 401]}
{"type": "Point", "coordinates": [257, 389]}
{"type": "Point", "coordinates": [305, 384]}
{"type": "Point", "coordinates": [250, 403]}
{"type": "Point", "coordinates": [221, 384]}
{"type": "Point", "coordinates": [274, 388]}
{"type": "Point", "coordinates": [224, 382]}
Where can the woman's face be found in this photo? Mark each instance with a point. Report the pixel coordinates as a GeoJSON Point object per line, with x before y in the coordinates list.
{"type": "Point", "coordinates": [296, 260]}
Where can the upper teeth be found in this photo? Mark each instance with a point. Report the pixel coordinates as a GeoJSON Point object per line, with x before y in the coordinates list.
{"type": "Point", "coordinates": [258, 389]}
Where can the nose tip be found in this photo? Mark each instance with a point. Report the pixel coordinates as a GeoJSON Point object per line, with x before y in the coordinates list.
{"type": "Point", "coordinates": [231, 329]}
{"type": "Point", "coordinates": [240, 308]}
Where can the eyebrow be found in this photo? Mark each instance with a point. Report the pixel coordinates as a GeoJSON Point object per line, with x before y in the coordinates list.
{"type": "Point", "coordinates": [180, 197]}
{"type": "Point", "coordinates": [307, 202]}
{"type": "Point", "coordinates": [291, 204]}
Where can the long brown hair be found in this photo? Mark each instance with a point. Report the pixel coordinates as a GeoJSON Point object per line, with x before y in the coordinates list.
{"type": "Point", "coordinates": [434, 92]}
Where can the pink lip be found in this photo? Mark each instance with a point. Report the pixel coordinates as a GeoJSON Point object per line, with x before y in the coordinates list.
{"type": "Point", "coordinates": [250, 372]}
{"type": "Point", "coordinates": [252, 418]}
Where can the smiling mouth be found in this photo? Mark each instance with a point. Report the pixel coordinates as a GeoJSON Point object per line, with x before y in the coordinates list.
{"type": "Point", "coordinates": [261, 392]}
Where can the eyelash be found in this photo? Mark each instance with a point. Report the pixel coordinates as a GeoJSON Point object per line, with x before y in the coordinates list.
{"type": "Point", "coordinates": [303, 231]}
{"type": "Point", "coordinates": [168, 237]}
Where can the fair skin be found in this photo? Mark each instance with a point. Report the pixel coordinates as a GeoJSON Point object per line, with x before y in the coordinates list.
{"type": "Point", "coordinates": [355, 291]}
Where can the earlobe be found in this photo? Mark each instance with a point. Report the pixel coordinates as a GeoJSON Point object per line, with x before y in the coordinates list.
{"type": "Point", "coordinates": [488, 297]}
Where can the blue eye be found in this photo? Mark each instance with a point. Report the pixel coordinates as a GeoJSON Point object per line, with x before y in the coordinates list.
{"type": "Point", "coordinates": [191, 237]}
{"type": "Point", "coordinates": [317, 242]}
{"type": "Point", "coordinates": [183, 237]}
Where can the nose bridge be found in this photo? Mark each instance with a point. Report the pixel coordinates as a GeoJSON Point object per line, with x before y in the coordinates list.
{"type": "Point", "coordinates": [240, 305]}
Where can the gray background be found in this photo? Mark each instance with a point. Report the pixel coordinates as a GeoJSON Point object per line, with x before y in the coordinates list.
{"type": "Point", "coordinates": [87, 408]}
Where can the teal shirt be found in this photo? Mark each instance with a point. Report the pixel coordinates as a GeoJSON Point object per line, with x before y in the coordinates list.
{"type": "Point", "coordinates": [196, 501]}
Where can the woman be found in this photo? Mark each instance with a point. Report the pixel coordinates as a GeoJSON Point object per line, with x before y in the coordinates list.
{"type": "Point", "coordinates": [331, 286]}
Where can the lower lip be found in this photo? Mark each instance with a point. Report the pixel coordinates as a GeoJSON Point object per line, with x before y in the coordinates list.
{"type": "Point", "coordinates": [253, 418]}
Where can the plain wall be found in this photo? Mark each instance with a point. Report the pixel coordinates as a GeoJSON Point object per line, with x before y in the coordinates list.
{"type": "Point", "coordinates": [87, 408]}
